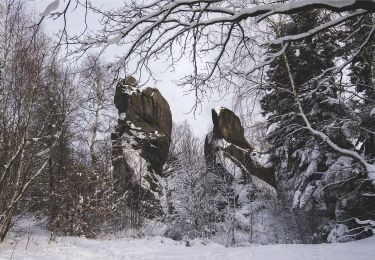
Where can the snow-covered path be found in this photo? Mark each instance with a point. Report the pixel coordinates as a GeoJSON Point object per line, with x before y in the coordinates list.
{"type": "Point", "coordinates": [162, 248]}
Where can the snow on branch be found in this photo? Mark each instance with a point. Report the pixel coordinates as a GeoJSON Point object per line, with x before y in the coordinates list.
{"type": "Point", "coordinates": [199, 29]}
{"type": "Point", "coordinates": [318, 29]}
{"type": "Point", "coordinates": [365, 222]}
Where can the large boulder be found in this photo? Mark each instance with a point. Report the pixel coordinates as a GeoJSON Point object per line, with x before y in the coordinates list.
{"type": "Point", "coordinates": [226, 144]}
{"type": "Point", "coordinates": [141, 144]}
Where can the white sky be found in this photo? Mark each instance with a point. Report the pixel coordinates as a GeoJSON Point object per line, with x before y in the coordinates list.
{"type": "Point", "coordinates": [180, 104]}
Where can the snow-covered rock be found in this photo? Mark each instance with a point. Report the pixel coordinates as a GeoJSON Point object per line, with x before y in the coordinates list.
{"type": "Point", "coordinates": [227, 141]}
{"type": "Point", "coordinates": [141, 144]}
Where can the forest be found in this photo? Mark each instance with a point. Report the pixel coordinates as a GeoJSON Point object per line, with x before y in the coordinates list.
{"type": "Point", "coordinates": [90, 146]}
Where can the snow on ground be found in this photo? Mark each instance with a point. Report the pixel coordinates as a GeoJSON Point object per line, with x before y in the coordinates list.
{"type": "Point", "coordinates": [29, 241]}
{"type": "Point", "coordinates": [39, 247]}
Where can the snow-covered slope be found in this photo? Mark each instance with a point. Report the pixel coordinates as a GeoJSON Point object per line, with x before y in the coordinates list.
{"type": "Point", "coordinates": [39, 247]}
{"type": "Point", "coordinates": [29, 240]}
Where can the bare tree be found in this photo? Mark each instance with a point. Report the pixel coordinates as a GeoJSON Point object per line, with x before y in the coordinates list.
{"type": "Point", "coordinates": [95, 110]}
{"type": "Point", "coordinates": [188, 200]}
{"type": "Point", "coordinates": [26, 138]}
{"type": "Point", "coordinates": [219, 29]}
{"type": "Point", "coordinates": [88, 209]}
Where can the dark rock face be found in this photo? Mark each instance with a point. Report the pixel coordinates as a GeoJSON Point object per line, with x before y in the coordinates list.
{"type": "Point", "coordinates": [227, 140]}
{"type": "Point", "coordinates": [228, 126]}
{"type": "Point", "coordinates": [141, 144]}
{"type": "Point", "coordinates": [122, 96]}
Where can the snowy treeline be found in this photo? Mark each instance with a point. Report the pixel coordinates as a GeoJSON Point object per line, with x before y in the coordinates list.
{"type": "Point", "coordinates": [54, 133]}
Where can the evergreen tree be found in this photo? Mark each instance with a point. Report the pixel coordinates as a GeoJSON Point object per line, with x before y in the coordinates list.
{"type": "Point", "coordinates": [309, 173]}
{"type": "Point", "coordinates": [362, 76]}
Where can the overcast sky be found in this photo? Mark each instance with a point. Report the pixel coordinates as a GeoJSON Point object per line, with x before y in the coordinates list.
{"type": "Point", "coordinates": [180, 104]}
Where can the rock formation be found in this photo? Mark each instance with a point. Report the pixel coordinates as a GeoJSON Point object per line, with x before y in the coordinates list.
{"type": "Point", "coordinates": [227, 142]}
{"type": "Point", "coordinates": [141, 144]}
{"type": "Point", "coordinates": [326, 207]}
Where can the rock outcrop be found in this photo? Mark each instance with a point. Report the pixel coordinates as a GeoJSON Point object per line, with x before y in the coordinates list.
{"type": "Point", "coordinates": [141, 144]}
{"type": "Point", "coordinates": [227, 143]}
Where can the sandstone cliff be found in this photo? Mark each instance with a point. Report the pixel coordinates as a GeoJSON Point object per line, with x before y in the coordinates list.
{"type": "Point", "coordinates": [141, 144]}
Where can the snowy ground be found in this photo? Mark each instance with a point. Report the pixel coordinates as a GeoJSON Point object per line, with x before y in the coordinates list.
{"type": "Point", "coordinates": [161, 248]}
{"type": "Point", "coordinates": [29, 241]}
